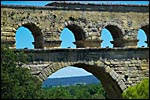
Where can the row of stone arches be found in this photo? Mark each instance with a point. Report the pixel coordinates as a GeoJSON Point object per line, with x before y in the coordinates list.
{"type": "Point", "coordinates": [77, 32]}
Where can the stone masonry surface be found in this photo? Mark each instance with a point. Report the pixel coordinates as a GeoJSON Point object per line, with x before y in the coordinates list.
{"type": "Point", "coordinates": [118, 68]}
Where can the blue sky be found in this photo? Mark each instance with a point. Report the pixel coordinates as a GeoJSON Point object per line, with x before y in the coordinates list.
{"type": "Point", "coordinates": [24, 36]}
{"type": "Point", "coordinates": [41, 3]}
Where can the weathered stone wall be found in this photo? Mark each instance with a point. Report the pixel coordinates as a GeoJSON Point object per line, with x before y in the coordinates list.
{"type": "Point", "coordinates": [46, 24]}
{"type": "Point", "coordinates": [117, 68]}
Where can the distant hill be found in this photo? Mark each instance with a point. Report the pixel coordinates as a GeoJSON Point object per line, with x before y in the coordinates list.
{"type": "Point", "coordinates": [66, 81]}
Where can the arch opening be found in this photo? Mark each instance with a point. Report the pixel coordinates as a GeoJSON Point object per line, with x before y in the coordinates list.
{"type": "Point", "coordinates": [79, 34]}
{"type": "Point", "coordinates": [77, 77]}
{"type": "Point", "coordinates": [146, 30]}
{"type": "Point", "coordinates": [117, 35]}
{"type": "Point", "coordinates": [71, 71]}
{"type": "Point", "coordinates": [67, 38]}
{"type": "Point", "coordinates": [36, 33]}
{"type": "Point", "coordinates": [106, 39]}
{"type": "Point", "coordinates": [142, 38]}
{"type": "Point", "coordinates": [110, 85]}
{"type": "Point", "coordinates": [77, 31]}
{"type": "Point", "coordinates": [24, 38]}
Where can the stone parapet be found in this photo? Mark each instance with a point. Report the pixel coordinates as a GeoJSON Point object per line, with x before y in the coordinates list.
{"type": "Point", "coordinates": [88, 7]}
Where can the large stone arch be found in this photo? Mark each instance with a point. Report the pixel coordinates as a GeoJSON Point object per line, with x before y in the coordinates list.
{"type": "Point", "coordinates": [116, 32]}
{"type": "Point", "coordinates": [113, 84]}
{"type": "Point", "coordinates": [145, 28]}
{"type": "Point", "coordinates": [36, 32]}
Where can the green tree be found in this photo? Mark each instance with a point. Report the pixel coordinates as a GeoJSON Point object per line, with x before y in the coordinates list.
{"type": "Point", "coordinates": [17, 82]}
{"type": "Point", "coordinates": [139, 91]}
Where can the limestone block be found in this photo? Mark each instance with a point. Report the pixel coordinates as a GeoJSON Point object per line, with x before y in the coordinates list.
{"type": "Point", "coordinates": [107, 62]}
{"type": "Point", "coordinates": [132, 68]}
{"type": "Point", "coordinates": [69, 64]}
{"type": "Point", "coordinates": [127, 62]}
{"type": "Point", "coordinates": [35, 72]}
{"type": "Point", "coordinates": [10, 38]}
{"type": "Point", "coordinates": [49, 70]}
{"type": "Point", "coordinates": [108, 69]}
{"type": "Point", "coordinates": [3, 37]}
{"type": "Point", "coordinates": [26, 66]}
{"type": "Point", "coordinates": [13, 34]}
{"type": "Point", "coordinates": [8, 29]}
{"type": "Point", "coordinates": [6, 33]}
{"type": "Point", "coordinates": [118, 79]}
{"type": "Point", "coordinates": [91, 62]}
{"type": "Point", "coordinates": [134, 61]}
{"type": "Point", "coordinates": [114, 62]}
{"type": "Point", "coordinates": [134, 72]}
{"type": "Point", "coordinates": [123, 87]}
{"type": "Point", "coordinates": [35, 69]}
{"type": "Point", "coordinates": [46, 71]}
{"type": "Point", "coordinates": [56, 66]}
{"type": "Point", "coordinates": [94, 29]}
{"type": "Point", "coordinates": [131, 65]}
{"type": "Point", "coordinates": [95, 38]}
{"type": "Point", "coordinates": [90, 33]}
{"type": "Point", "coordinates": [41, 76]}
{"type": "Point", "coordinates": [52, 68]}
{"type": "Point", "coordinates": [100, 63]}
{"type": "Point", "coordinates": [120, 82]}
{"type": "Point", "coordinates": [90, 25]}
{"type": "Point", "coordinates": [134, 75]}
{"type": "Point", "coordinates": [119, 72]}
{"type": "Point", "coordinates": [59, 64]}
{"type": "Point", "coordinates": [44, 75]}
{"type": "Point", "coordinates": [112, 73]}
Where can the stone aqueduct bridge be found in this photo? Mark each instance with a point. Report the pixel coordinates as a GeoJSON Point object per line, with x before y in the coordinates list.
{"type": "Point", "coordinates": [117, 68]}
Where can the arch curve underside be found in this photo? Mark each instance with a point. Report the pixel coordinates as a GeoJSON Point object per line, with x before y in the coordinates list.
{"type": "Point", "coordinates": [111, 81]}
{"type": "Point", "coordinates": [78, 32]}
{"type": "Point", "coordinates": [117, 35]}
{"type": "Point", "coordinates": [146, 30]}
{"type": "Point", "coordinates": [37, 34]}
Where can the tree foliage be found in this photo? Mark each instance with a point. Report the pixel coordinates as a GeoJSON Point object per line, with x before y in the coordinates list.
{"type": "Point", "coordinates": [139, 91]}
{"type": "Point", "coordinates": [16, 82]}
{"type": "Point", "coordinates": [90, 91]}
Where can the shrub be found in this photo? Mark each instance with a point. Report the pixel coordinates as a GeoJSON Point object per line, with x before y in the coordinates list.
{"type": "Point", "coordinates": [139, 91]}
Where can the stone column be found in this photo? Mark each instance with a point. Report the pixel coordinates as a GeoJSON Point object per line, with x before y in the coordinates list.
{"type": "Point", "coordinates": [130, 43]}
{"type": "Point", "coordinates": [130, 38]}
{"type": "Point", "coordinates": [51, 40]}
{"type": "Point", "coordinates": [52, 44]}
